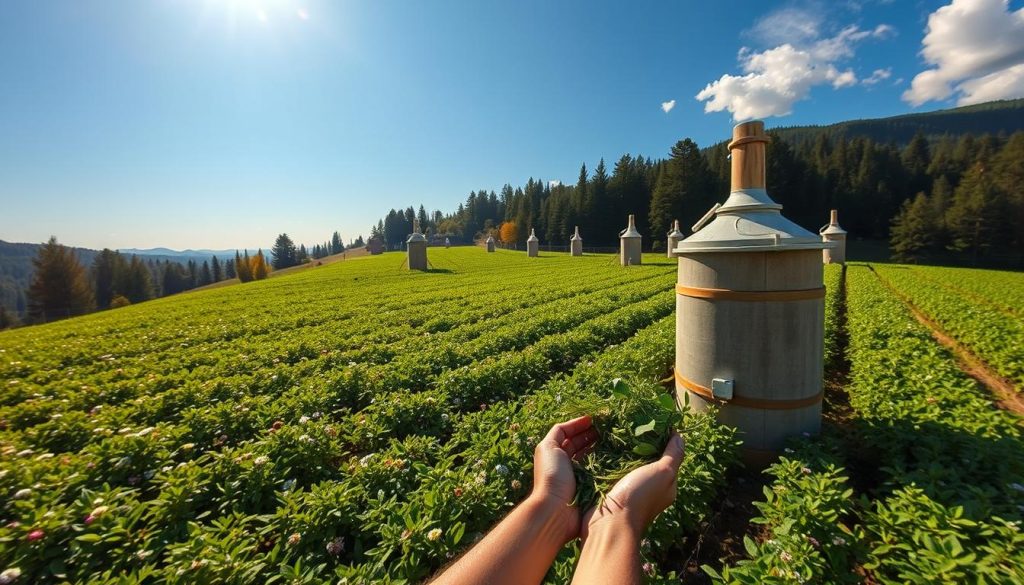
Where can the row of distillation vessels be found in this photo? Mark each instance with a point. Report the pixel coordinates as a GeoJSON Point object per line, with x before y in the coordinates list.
{"type": "Point", "coordinates": [749, 305]}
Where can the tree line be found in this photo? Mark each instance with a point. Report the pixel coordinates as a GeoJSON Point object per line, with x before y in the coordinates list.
{"type": "Point", "coordinates": [62, 287]}
{"type": "Point", "coordinates": [972, 182]}
{"type": "Point", "coordinates": [285, 254]}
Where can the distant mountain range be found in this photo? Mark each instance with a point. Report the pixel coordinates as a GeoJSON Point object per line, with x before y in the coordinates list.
{"type": "Point", "coordinates": [999, 117]}
{"type": "Point", "coordinates": [187, 253]}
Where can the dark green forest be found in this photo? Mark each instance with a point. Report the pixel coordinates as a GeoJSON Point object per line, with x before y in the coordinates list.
{"type": "Point", "coordinates": [971, 184]}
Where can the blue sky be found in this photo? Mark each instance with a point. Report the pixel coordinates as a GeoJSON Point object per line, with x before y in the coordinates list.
{"type": "Point", "coordinates": [221, 123]}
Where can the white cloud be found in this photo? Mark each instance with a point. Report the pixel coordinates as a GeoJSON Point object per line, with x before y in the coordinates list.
{"type": "Point", "coordinates": [788, 25]}
{"type": "Point", "coordinates": [777, 78]}
{"type": "Point", "coordinates": [877, 76]}
{"type": "Point", "coordinates": [667, 106]}
{"type": "Point", "coordinates": [553, 184]}
{"type": "Point", "coordinates": [845, 79]}
{"type": "Point", "coordinates": [976, 48]}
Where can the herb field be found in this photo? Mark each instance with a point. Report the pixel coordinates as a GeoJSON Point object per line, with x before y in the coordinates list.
{"type": "Point", "coordinates": [361, 423]}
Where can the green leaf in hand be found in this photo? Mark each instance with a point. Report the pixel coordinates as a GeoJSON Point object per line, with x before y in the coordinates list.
{"type": "Point", "coordinates": [645, 449]}
{"type": "Point", "coordinates": [647, 428]}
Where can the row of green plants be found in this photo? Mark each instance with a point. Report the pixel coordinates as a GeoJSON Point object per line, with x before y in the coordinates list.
{"type": "Point", "coordinates": [921, 483]}
{"type": "Point", "coordinates": [1002, 289]}
{"type": "Point", "coordinates": [364, 511]}
{"type": "Point", "coordinates": [833, 278]}
{"type": "Point", "coordinates": [41, 361]}
{"type": "Point", "coordinates": [237, 478]}
{"type": "Point", "coordinates": [219, 395]}
{"type": "Point", "coordinates": [990, 333]}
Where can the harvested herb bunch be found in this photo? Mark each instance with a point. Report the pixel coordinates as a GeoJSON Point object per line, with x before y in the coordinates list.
{"type": "Point", "coordinates": [634, 426]}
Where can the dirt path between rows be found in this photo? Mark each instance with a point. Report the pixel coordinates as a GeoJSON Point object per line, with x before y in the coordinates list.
{"type": "Point", "coordinates": [1006, 394]}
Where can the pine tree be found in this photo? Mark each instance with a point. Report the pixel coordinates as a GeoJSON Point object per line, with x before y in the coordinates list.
{"type": "Point", "coordinates": [243, 266]}
{"type": "Point", "coordinates": [218, 275]}
{"type": "Point", "coordinates": [193, 274]}
{"type": "Point", "coordinates": [684, 188]}
{"type": "Point", "coordinates": [421, 215]}
{"type": "Point", "coordinates": [1008, 174]}
{"type": "Point", "coordinates": [284, 252]}
{"type": "Point", "coordinates": [108, 269]}
{"type": "Point", "coordinates": [205, 276]}
{"type": "Point", "coordinates": [975, 218]}
{"type": "Point", "coordinates": [229, 268]}
{"type": "Point", "coordinates": [337, 246]}
{"type": "Point", "coordinates": [604, 228]}
{"type": "Point", "coordinates": [913, 230]}
{"type": "Point", "coordinates": [139, 283]}
{"type": "Point", "coordinates": [915, 160]}
{"type": "Point", "coordinates": [60, 287]}
{"type": "Point", "coordinates": [174, 279]}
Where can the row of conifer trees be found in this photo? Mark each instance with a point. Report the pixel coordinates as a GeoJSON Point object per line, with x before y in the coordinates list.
{"type": "Point", "coordinates": [62, 287]}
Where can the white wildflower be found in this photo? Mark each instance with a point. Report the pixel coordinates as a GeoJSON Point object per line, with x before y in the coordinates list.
{"type": "Point", "coordinates": [9, 575]}
{"type": "Point", "coordinates": [434, 534]}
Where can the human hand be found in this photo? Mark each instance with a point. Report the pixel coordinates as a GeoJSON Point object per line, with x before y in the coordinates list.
{"type": "Point", "coordinates": [554, 483]}
{"type": "Point", "coordinates": [637, 499]}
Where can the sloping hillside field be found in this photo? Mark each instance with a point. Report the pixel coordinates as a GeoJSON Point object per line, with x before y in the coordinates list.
{"type": "Point", "coordinates": [360, 423]}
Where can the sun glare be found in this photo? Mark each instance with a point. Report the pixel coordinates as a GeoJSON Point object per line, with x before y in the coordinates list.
{"type": "Point", "coordinates": [262, 11]}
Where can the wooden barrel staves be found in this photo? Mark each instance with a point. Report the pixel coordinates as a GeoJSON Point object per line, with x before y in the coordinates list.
{"type": "Point", "coordinates": [750, 311]}
{"type": "Point", "coordinates": [417, 249]}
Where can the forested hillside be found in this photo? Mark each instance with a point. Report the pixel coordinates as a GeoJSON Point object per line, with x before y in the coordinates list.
{"type": "Point", "coordinates": [1003, 116]}
{"type": "Point", "coordinates": [970, 208]}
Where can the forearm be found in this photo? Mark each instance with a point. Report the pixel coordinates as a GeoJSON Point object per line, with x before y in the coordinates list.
{"type": "Point", "coordinates": [610, 555]}
{"type": "Point", "coordinates": [519, 550]}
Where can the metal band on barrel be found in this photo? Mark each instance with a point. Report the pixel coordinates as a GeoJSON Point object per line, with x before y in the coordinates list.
{"type": "Point", "coordinates": [762, 404]}
{"type": "Point", "coordinates": [747, 140]}
{"type": "Point", "coordinates": [722, 294]}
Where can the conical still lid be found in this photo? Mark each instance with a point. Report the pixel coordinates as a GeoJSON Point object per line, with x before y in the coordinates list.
{"type": "Point", "coordinates": [833, 227]}
{"type": "Point", "coordinates": [576, 236]}
{"type": "Point", "coordinates": [675, 233]}
{"type": "Point", "coordinates": [749, 220]}
{"type": "Point", "coordinates": [416, 236]}
{"type": "Point", "coordinates": [533, 237]}
{"type": "Point", "coordinates": [630, 231]}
